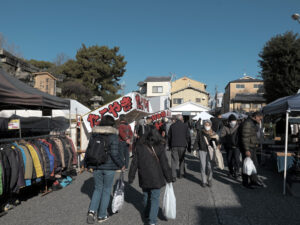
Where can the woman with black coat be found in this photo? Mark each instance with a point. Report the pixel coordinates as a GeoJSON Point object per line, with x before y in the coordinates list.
{"type": "Point", "coordinates": [153, 169]}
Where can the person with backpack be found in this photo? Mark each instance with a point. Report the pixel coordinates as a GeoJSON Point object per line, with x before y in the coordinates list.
{"type": "Point", "coordinates": [230, 140]}
{"type": "Point", "coordinates": [103, 156]}
{"type": "Point", "coordinates": [154, 171]}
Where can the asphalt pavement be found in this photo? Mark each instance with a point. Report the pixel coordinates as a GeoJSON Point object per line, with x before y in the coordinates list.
{"type": "Point", "coordinates": [226, 202]}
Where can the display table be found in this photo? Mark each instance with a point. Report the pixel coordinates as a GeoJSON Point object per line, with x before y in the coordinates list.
{"type": "Point", "coordinates": [280, 160]}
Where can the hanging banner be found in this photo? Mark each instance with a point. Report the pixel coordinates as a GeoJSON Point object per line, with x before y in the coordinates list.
{"type": "Point", "coordinates": [14, 124]}
{"type": "Point", "coordinates": [132, 104]}
{"type": "Point", "coordinates": [160, 115]}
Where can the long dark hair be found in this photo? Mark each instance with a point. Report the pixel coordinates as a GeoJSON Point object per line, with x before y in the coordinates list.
{"type": "Point", "coordinates": [107, 121]}
{"type": "Point", "coordinates": [152, 137]}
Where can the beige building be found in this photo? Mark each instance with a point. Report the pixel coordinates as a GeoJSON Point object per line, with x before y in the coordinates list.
{"type": "Point", "coordinates": [188, 90]}
{"type": "Point", "coordinates": [45, 82]}
{"type": "Point", "coordinates": [244, 95]}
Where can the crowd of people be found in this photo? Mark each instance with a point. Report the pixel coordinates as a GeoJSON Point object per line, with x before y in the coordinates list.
{"type": "Point", "coordinates": [147, 144]}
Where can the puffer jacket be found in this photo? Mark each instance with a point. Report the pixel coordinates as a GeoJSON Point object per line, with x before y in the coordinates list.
{"type": "Point", "coordinates": [153, 173]}
{"type": "Point", "coordinates": [249, 141]}
{"type": "Point", "coordinates": [230, 137]}
{"type": "Point", "coordinates": [114, 161]}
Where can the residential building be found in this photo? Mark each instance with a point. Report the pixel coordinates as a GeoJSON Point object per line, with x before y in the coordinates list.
{"type": "Point", "coordinates": [216, 102]}
{"type": "Point", "coordinates": [45, 82]}
{"type": "Point", "coordinates": [244, 95]}
{"type": "Point", "coordinates": [158, 90]}
{"type": "Point", "coordinates": [188, 90]}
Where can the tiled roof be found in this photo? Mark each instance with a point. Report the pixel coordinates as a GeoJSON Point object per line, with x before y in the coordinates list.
{"type": "Point", "coordinates": [158, 79]}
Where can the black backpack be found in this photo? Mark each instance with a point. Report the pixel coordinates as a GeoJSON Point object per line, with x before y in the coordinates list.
{"type": "Point", "coordinates": [97, 150]}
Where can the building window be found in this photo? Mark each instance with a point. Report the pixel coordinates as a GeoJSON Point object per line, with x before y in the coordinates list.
{"type": "Point", "coordinates": [41, 84]}
{"type": "Point", "coordinates": [240, 86]}
{"type": "Point", "coordinates": [198, 99]}
{"type": "Point", "coordinates": [245, 106]}
{"type": "Point", "coordinates": [157, 89]}
{"type": "Point", "coordinates": [257, 85]}
{"type": "Point", "coordinates": [256, 106]}
{"type": "Point", "coordinates": [177, 101]}
{"type": "Point", "coordinates": [47, 80]}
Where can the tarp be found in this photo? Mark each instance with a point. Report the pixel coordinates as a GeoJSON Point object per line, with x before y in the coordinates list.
{"type": "Point", "coordinates": [132, 104]}
{"type": "Point", "coordinates": [14, 94]}
{"type": "Point", "coordinates": [237, 115]}
{"type": "Point", "coordinates": [36, 124]}
{"type": "Point", "coordinates": [281, 105]}
{"type": "Point", "coordinates": [203, 116]}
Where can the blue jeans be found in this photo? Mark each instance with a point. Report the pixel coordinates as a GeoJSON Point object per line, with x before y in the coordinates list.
{"type": "Point", "coordinates": [124, 150]}
{"type": "Point", "coordinates": [151, 204]}
{"type": "Point", "coordinates": [103, 180]}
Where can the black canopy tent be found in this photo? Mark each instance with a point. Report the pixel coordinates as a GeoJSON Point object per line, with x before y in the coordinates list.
{"type": "Point", "coordinates": [15, 94]}
{"type": "Point", "coordinates": [285, 105]}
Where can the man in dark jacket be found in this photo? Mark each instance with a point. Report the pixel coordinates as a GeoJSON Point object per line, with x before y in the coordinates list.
{"type": "Point", "coordinates": [249, 145]}
{"type": "Point", "coordinates": [125, 136]}
{"type": "Point", "coordinates": [217, 124]}
{"type": "Point", "coordinates": [230, 141]}
{"type": "Point", "coordinates": [179, 140]}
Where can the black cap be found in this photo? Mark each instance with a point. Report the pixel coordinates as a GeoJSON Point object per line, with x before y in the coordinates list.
{"type": "Point", "coordinates": [231, 117]}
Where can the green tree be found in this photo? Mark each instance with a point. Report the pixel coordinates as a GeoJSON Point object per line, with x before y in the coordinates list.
{"type": "Point", "coordinates": [99, 68]}
{"type": "Point", "coordinates": [43, 65]}
{"type": "Point", "coordinates": [76, 90]}
{"type": "Point", "coordinates": [280, 64]}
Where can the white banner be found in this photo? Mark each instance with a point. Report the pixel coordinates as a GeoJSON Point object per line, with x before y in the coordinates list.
{"type": "Point", "coordinates": [123, 105]}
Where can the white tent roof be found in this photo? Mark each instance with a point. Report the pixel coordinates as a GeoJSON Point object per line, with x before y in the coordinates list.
{"type": "Point", "coordinates": [203, 116]}
{"type": "Point", "coordinates": [76, 108]}
{"type": "Point", "coordinates": [236, 114]}
{"type": "Point", "coordinates": [190, 107]}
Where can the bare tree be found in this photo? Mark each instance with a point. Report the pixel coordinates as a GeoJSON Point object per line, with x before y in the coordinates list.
{"type": "Point", "coordinates": [10, 47]}
{"type": "Point", "coordinates": [60, 59]}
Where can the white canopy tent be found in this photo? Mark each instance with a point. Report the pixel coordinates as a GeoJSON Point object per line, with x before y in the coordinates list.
{"type": "Point", "coordinates": [284, 105]}
{"type": "Point", "coordinates": [236, 114]}
{"type": "Point", "coordinates": [202, 116]}
{"type": "Point", "coordinates": [189, 108]}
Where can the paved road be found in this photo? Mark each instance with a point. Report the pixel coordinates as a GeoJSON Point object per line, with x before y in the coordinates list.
{"type": "Point", "coordinates": [225, 203]}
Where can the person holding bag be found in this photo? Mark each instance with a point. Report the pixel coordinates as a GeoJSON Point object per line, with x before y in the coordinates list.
{"type": "Point", "coordinates": [204, 144]}
{"type": "Point", "coordinates": [104, 169]}
{"type": "Point", "coordinates": [152, 164]}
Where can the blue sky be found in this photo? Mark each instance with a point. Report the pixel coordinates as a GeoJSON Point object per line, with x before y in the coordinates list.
{"type": "Point", "coordinates": [212, 41]}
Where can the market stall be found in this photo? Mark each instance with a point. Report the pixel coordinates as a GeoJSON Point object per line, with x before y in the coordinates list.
{"type": "Point", "coordinates": [284, 105]}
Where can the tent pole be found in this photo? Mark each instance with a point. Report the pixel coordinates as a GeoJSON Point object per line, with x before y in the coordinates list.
{"type": "Point", "coordinates": [286, 150]}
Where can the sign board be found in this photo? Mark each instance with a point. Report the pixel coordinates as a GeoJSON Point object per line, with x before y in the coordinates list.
{"type": "Point", "coordinates": [14, 124]}
{"type": "Point", "coordinates": [160, 115]}
{"type": "Point", "coordinates": [132, 103]}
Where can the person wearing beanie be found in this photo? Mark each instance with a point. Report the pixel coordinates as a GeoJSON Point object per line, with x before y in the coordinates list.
{"type": "Point", "coordinates": [230, 141]}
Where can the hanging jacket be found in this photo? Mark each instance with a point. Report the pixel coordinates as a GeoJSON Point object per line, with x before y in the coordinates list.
{"type": "Point", "coordinates": [52, 153]}
{"type": "Point", "coordinates": [36, 161]}
{"type": "Point", "coordinates": [6, 172]}
{"type": "Point", "coordinates": [46, 169]}
{"type": "Point", "coordinates": [51, 157]}
{"type": "Point", "coordinates": [39, 155]}
{"type": "Point", "coordinates": [75, 160]}
{"type": "Point", "coordinates": [1, 178]}
{"type": "Point", "coordinates": [28, 165]}
{"type": "Point", "coordinates": [22, 156]}
{"type": "Point", "coordinates": [61, 151]}
{"type": "Point", "coordinates": [57, 157]}
{"type": "Point", "coordinates": [13, 162]}
{"type": "Point", "coordinates": [68, 152]}
{"type": "Point", "coordinates": [21, 180]}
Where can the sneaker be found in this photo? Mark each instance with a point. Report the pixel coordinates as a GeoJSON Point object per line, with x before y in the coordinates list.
{"type": "Point", "coordinates": [103, 219]}
{"type": "Point", "coordinates": [91, 218]}
{"type": "Point", "coordinates": [209, 183]}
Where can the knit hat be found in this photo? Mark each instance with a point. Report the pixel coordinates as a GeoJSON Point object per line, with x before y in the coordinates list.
{"type": "Point", "coordinates": [231, 117]}
{"type": "Point", "coordinates": [207, 121]}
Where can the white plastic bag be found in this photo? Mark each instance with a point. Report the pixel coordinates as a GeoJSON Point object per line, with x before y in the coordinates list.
{"type": "Point", "coordinates": [169, 202]}
{"type": "Point", "coordinates": [249, 167]}
{"type": "Point", "coordinates": [118, 199]}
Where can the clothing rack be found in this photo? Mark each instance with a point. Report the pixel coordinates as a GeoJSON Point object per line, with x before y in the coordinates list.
{"type": "Point", "coordinates": [29, 138]}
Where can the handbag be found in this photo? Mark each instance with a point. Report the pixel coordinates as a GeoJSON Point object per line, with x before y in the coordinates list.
{"type": "Point", "coordinates": [210, 149]}
{"type": "Point", "coordinates": [218, 157]}
{"type": "Point", "coordinates": [118, 198]}
{"type": "Point", "coordinates": [169, 202]}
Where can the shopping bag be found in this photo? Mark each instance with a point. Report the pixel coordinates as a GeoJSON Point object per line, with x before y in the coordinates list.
{"type": "Point", "coordinates": [211, 150]}
{"type": "Point", "coordinates": [118, 198]}
{"type": "Point", "coordinates": [218, 157]}
{"type": "Point", "coordinates": [249, 167]}
{"type": "Point", "coordinates": [169, 202]}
